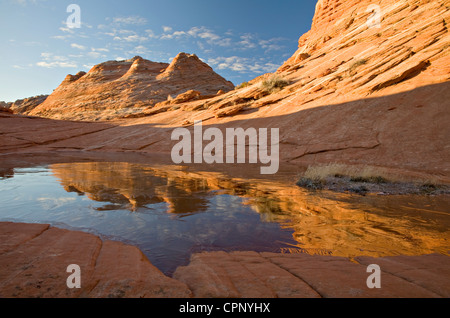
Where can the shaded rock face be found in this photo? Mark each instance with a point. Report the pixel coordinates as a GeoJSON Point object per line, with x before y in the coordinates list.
{"type": "Point", "coordinates": [116, 88]}
{"type": "Point", "coordinates": [25, 106]}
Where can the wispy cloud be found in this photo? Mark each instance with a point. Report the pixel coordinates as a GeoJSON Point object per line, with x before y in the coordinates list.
{"type": "Point", "coordinates": [131, 38]}
{"type": "Point", "coordinates": [78, 46]}
{"type": "Point", "coordinates": [25, 2]}
{"type": "Point", "coordinates": [133, 20]}
{"type": "Point", "coordinates": [49, 60]}
{"type": "Point", "coordinates": [247, 42]}
{"type": "Point", "coordinates": [52, 203]}
{"type": "Point", "coordinates": [242, 64]}
{"type": "Point", "coordinates": [138, 50]}
{"type": "Point", "coordinates": [201, 33]}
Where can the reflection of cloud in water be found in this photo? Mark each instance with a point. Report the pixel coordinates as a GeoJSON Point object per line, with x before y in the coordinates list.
{"type": "Point", "coordinates": [54, 203]}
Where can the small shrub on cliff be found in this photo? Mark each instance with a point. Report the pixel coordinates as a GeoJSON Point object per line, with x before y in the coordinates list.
{"type": "Point", "coordinates": [273, 84]}
{"type": "Point", "coordinates": [311, 184]}
{"type": "Point", "coordinates": [357, 64]}
{"type": "Point", "coordinates": [242, 85]}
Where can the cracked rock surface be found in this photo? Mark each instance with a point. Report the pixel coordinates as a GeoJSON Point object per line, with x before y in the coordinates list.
{"type": "Point", "coordinates": [34, 259]}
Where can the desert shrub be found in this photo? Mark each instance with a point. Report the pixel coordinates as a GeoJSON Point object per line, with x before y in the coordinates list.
{"type": "Point", "coordinates": [370, 179]}
{"type": "Point", "coordinates": [357, 64]}
{"type": "Point", "coordinates": [274, 84]}
{"type": "Point", "coordinates": [312, 184]}
{"type": "Point", "coordinates": [428, 188]}
{"type": "Point", "coordinates": [367, 174]}
{"type": "Point", "coordinates": [243, 85]}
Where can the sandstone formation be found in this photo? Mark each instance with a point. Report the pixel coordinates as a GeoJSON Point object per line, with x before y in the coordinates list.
{"type": "Point", "coordinates": [25, 106]}
{"type": "Point", "coordinates": [117, 88]}
{"type": "Point", "coordinates": [270, 275]}
{"type": "Point", "coordinates": [357, 94]}
{"type": "Point", "coordinates": [4, 105]}
{"type": "Point", "coordinates": [34, 260]}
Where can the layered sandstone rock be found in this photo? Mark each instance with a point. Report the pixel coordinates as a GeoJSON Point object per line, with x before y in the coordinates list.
{"type": "Point", "coordinates": [116, 88]}
{"type": "Point", "coordinates": [271, 275]}
{"type": "Point", "coordinates": [34, 259]}
{"type": "Point", "coordinates": [26, 105]}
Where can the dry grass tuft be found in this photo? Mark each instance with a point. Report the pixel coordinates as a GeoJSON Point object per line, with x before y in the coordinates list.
{"type": "Point", "coordinates": [273, 84]}
{"type": "Point", "coordinates": [356, 174]}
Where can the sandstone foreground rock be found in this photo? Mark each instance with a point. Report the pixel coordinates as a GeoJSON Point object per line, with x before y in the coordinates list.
{"type": "Point", "coordinates": [357, 95]}
{"type": "Point", "coordinates": [34, 259]}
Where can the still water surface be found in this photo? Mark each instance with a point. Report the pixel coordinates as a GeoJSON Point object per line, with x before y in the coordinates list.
{"type": "Point", "coordinates": [169, 212]}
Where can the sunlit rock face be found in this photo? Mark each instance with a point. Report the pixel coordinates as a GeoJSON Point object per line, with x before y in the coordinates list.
{"type": "Point", "coordinates": [116, 88]}
{"type": "Point", "coordinates": [321, 223]}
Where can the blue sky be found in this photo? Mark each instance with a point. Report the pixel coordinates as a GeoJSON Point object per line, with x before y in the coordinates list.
{"type": "Point", "coordinates": [238, 39]}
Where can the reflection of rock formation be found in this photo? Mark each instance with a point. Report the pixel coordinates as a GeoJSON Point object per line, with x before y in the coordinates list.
{"type": "Point", "coordinates": [342, 224]}
{"type": "Point", "coordinates": [373, 225]}
{"type": "Point", "coordinates": [6, 172]}
{"type": "Point", "coordinates": [131, 186]}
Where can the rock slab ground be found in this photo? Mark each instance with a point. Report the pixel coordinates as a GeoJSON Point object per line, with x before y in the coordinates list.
{"type": "Point", "coordinates": [34, 260]}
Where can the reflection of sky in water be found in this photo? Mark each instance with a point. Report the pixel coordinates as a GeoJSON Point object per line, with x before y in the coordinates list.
{"type": "Point", "coordinates": [200, 220]}
{"type": "Point", "coordinates": [170, 213]}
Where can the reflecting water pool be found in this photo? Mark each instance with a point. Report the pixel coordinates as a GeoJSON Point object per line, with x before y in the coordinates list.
{"type": "Point", "coordinates": [170, 212]}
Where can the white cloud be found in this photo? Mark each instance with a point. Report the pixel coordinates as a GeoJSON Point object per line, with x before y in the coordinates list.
{"type": "Point", "coordinates": [56, 64]}
{"type": "Point", "coordinates": [242, 64]}
{"type": "Point", "coordinates": [136, 20]}
{"type": "Point", "coordinates": [102, 49]}
{"type": "Point", "coordinates": [131, 38]}
{"type": "Point", "coordinates": [95, 55]}
{"type": "Point", "coordinates": [271, 44]}
{"type": "Point", "coordinates": [124, 31]}
{"type": "Point", "coordinates": [201, 33]}
{"type": "Point", "coordinates": [150, 33]}
{"type": "Point", "coordinates": [176, 34]}
{"type": "Point", "coordinates": [68, 30]}
{"type": "Point", "coordinates": [52, 61]}
{"type": "Point", "coordinates": [25, 2]}
{"type": "Point", "coordinates": [61, 37]}
{"type": "Point", "coordinates": [247, 41]}
{"type": "Point", "coordinates": [209, 36]}
{"type": "Point", "coordinates": [140, 49]}
{"type": "Point", "coordinates": [78, 46]}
